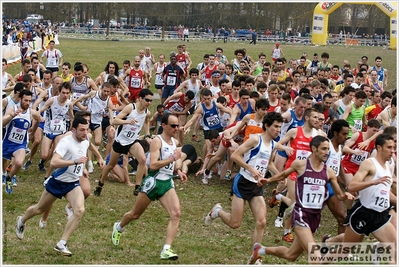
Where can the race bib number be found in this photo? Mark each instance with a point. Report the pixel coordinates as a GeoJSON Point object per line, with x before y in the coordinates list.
{"type": "Point", "coordinates": [357, 159]}
{"type": "Point", "coordinates": [57, 126]}
{"type": "Point", "coordinates": [313, 196]}
{"type": "Point", "coordinates": [17, 135]}
{"type": "Point", "coordinates": [135, 83]}
{"type": "Point", "coordinates": [262, 162]}
{"type": "Point", "coordinates": [158, 79]}
{"type": "Point", "coordinates": [171, 81]}
{"type": "Point", "coordinates": [176, 108]}
{"type": "Point", "coordinates": [78, 169]}
{"type": "Point", "coordinates": [358, 125]}
{"type": "Point", "coordinates": [302, 154]}
{"type": "Point", "coordinates": [76, 95]}
{"type": "Point", "coordinates": [381, 202]}
{"type": "Point", "coordinates": [213, 120]}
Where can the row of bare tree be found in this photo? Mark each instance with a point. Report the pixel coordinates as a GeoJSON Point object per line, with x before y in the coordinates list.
{"type": "Point", "coordinates": [259, 15]}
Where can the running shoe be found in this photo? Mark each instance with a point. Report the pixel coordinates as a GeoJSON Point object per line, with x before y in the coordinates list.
{"type": "Point", "coordinates": [323, 243]}
{"type": "Point", "coordinates": [90, 167]}
{"type": "Point", "coordinates": [169, 254]}
{"type": "Point", "coordinates": [14, 180]}
{"type": "Point", "coordinates": [42, 224]}
{"type": "Point", "coordinates": [26, 165]}
{"type": "Point", "coordinates": [212, 214]}
{"type": "Point", "coordinates": [288, 237]}
{"type": "Point", "coordinates": [204, 178]}
{"type": "Point", "coordinates": [41, 168]}
{"type": "Point", "coordinates": [219, 168]}
{"type": "Point", "coordinates": [227, 176]}
{"type": "Point", "coordinates": [116, 235]}
{"type": "Point", "coordinates": [69, 212]}
{"type": "Point", "coordinates": [97, 191]}
{"type": "Point", "coordinates": [8, 185]}
{"type": "Point", "coordinates": [273, 201]}
{"type": "Point", "coordinates": [63, 249]}
{"type": "Point", "coordinates": [255, 256]}
{"type": "Point", "coordinates": [19, 230]}
{"type": "Point", "coordinates": [278, 222]}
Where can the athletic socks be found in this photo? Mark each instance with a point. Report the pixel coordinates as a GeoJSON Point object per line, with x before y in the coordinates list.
{"type": "Point", "coordinates": [283, 207]}
{"type": "Point", "coordinates": [286, 231]}
{"type": "Point", "coordinates": [119, 228]}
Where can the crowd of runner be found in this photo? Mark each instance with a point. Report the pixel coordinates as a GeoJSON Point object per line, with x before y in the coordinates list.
{"type": "Point", "coordinates": [326, 132]}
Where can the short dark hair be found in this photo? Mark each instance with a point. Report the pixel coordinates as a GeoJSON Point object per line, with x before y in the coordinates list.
{"type": "Point", "coordinates": [373, 124]}
{"type": "Point", "coordinates": [78, 120]}
{"type": "Point", "coordinates": [337, 126]}
{"type": "Point", "coordinates": [382, 139]}
{"type": "Point", "coordinates": [361, 94]}
{"type": "Point", "coordinates": [165, 118]}
{"type": "Point", "coordinates": [193, 70]}
{"type": "Point", "coordinates": [390, 130]}
{"type": "Point", "coordinates": [145, 92]}
{"type": "Point", "coordinates": [19, 87]}
{"type": "Point", "coordinates": [262, 103]}
{"type": "Point", "coordinates": [190, 94]}
{"type": "Point", "coordinates": [213, 134]}
{"type": "Point", "coordinates": [271, 117]}
{"type": "Point", "coordinates": [78, 67]}
{"type": "Point", "coordinates": [221, 99]}
{"type": "Point", "coordinates": [25, 92]}
{"type": "Point", "coordinates": [317, 140]}
{"type": "Point", "coordinates": [243, 92]}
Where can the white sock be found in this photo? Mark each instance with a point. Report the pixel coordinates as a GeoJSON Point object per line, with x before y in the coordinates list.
{"type": "Point", "coordinates": [165, 247]}
{"type": "Point", "coordinates": [262, 251]}
{"type": "Point", "coordinates": [90, 163]}
{"type": "Point", "coordinates": [286, 231]}
{"type": "Point", "coordinates": [215, 213]}
{"type": "Point", "coordinates": [279, 196]}
{"type": "Point", "coordinates": [62, 242]}
{"type": "Point", "coordinates": [119, 228]}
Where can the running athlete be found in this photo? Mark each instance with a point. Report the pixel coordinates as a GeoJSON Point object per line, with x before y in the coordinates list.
{"type": "Point", "coordinates": [165, 159]}
{"type": "Point", "coordinates": [253, 156]}
{"type": "Point", "coordinates": [172, 77]}
{"type": "Point", "coordinates": [355, 156]}
{"type": "Point", "coordinates": [370, 214]}
{"type": "Point", "coordinates": [81, 84]}
{"type": "Point", "coordinates": [311, 193]}
{"type": "Point", "coordinates": [69, 159]}
{"type": "Point", "coordinates": [130, 121]}
{"type": "Point", "coordinates": [355, 113]}
{"type": "Point", "coordinates": [54, 58]}
{"type": "Point", "coordinates": [246, 106]}
{"type": "Point", "coordinates": [158, 68]}
{"type": "Point", "coordinates": [100, 107]}
{"type": "Point", "coordinates": [17, 120]}
{"type": "Point", "coordinates": [57, 118]}
{"type": "Point", "coordinates": [53, 90]}
{"type": "Point", "coordinates": [340, 105]}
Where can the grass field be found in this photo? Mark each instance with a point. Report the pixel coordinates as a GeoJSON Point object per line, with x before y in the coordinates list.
{"type": "Point", "coordinates": [142, 240]}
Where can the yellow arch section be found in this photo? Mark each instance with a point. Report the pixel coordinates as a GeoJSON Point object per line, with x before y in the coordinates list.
{"type": "Point", "coordinates": [323, 9]}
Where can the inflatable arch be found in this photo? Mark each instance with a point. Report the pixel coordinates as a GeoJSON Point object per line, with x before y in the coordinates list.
{"type": "Point", "coordinates": [323, 9]}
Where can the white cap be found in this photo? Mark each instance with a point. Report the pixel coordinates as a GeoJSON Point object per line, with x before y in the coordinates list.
{"type": "Point", "coordinates": [355, 85]}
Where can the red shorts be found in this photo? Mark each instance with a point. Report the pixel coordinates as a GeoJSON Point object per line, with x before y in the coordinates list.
{"type": "Point", "coordinates": [225, 143]}
{"type": "Point", "coordinates": [349, 168]}
{"type": "Point", "coordinates": [292, 176]}
{"type": "Point", "coordinates": [134, 94]}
